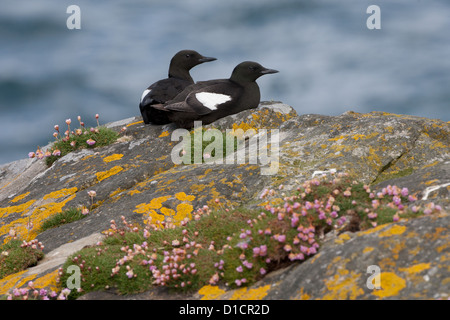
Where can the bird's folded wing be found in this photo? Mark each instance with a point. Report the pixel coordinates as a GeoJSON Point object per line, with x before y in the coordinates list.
{"type": "Point", "coordinates": [212, 98]}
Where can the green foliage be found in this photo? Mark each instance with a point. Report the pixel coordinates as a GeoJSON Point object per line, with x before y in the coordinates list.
{"type": "Point", "coordinates": [102, 136]}
{"type": "Point", "coordinates": [235, 247]}
{"type": "Point", "coordinates": [66, 216]}
{"type": "Point", "coordinates": [15, 257]}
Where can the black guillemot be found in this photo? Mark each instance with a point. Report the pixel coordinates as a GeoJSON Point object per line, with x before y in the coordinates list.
{"type": "Point", "coordinates": [166, 89]}
{"type": "Point", "coordinates": [208, 101]}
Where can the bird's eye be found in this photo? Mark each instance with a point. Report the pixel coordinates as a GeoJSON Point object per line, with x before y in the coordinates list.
{"type": "Point", "coordinates": [188, 55]}
{"type": "Point", "coordinates": [252, 68]}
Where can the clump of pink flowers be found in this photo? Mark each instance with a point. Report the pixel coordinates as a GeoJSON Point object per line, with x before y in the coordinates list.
{"type": "Point", "coordinates": [280, 232]}
{"type": "Point", "coordinates": [69, 140]}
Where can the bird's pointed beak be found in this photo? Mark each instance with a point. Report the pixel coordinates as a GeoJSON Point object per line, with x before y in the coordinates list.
{"type": "Point", "coordinates": [269, 71]}
{"type": "Point", "coordinates": [206, 59]}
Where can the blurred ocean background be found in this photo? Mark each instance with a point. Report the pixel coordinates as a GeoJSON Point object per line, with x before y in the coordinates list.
{"type": "Point", "coordinates": [329, 61]}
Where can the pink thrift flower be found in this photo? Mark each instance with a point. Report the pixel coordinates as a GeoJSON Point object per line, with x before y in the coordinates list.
{"type": "Point", "coordinates": [90, 142]}
{"type": "Point", "coordinates": [239, 269]}
{"type": "Point", "coordinates": [404, 192]}
{"type": "Point", "coordinates": [263, 251]}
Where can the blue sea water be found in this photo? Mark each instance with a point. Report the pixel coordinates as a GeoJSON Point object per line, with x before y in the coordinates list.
{"type": "Point", "coordinates": [329, 61]}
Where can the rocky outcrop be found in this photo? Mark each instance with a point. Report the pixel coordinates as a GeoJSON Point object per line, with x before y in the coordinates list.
{"type": "Point", "coordinates": [136, 177]}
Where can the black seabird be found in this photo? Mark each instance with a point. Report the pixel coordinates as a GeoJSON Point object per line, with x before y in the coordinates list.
{"type": "Point", "coordinates": [166, 89]}
{"type": "Point", "coordinates": [210, 100]}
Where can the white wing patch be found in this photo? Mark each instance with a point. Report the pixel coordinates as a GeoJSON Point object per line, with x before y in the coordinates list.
{"type": "Point", "coordinates": [212, 100]}
{"type": "Point", "coordinates": [146, 91]}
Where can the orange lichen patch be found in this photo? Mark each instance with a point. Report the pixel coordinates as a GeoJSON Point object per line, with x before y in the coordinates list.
{"type": "Point", "coordinates": [167, 212]}
{"type": "Point", "coordinates": [184, 211]}
{"type": "Point", "coordinates": [164, 134]}
{"type": "Point", "coordinates": [152, 217]}
{"type": "Point", "coordinates": [250, 294]}
{"type": "Point", "coordinates": [4, 212]}
{"type": "Point", "coordinates": [114, 157]}
{"type": "Point", "coordinates": [87, 157]}
{"type": "Point", "coordinates": [393, 231]}
{"type": "Point", "coordinates": [438, 144]}
{"type": "Point", "coordinates": [8, 282]}
{"type": "Point", "coordinates": [134, 123]}
{"type": "Point", "coordinates": [61, 193]}
{"type": "Point", "coordinates": [368, 249]}
{"type": "Point", "coordinates": [431, 164]}
{"type": "Point", "coordinates": [106, 174]}
{"type": "Point", "coordinates": [416, 268]}
{"type": "Point", "coordinates": [302, 295]}
{"type": "Point", "coordinates": [156, 203]}
{"type": "Point", "coordinates": [314, 258]}
{"type": "Point", "coordinates": [438, 234]}
{"type": "Point", "coordinates": [338, 138]}
{"type": "Point", "coordinates": [211, 292]}
{"type": "Point", "coordinates": [356, 137]}
{"type": "Point", "coordinates": [342, 238]}
{"type": "Point", "coordinates": [391, 284]}
{"type": "Point", "coordinates": [40, 214]}
{"type": "Point", "coordinates": [133, 192]}
{"type": "Point", "coordinates": [200, 187]}
{"type": "Point", "coordinates": [183, 197]}
{"type": "Point", "coordinates": [47, 281]}
{"type": "Point", "coordinates": [371, 230]}
{"type": "Point", "coordinates": [36, 218]}
{"type": "Point", "coordinates": [243, 126]}
{"type": "Point", "coordinates": [161, 158]}
{"type": "Point", "coordinates": [343, 286]}
{"type": "Point", "coordinates": [443, 247]}
{"type": "Point", "coordinates": [114, 194]}
{"type": "Point", "coordinates": [19, 197]}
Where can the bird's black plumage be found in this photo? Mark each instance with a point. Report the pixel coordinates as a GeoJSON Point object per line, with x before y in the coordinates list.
{"type": "Point", "coordinates": [210, 100]}
{"type": "Point", "coordinates": [166, 89]}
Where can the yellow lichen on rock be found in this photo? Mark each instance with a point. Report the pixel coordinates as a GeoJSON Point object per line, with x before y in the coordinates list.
{"type": "Point", "coordinates": [416, 268]}
{"type": "Point", "coordinates": [61, 193]}
{"type": "Point", "coordinates": [19, 197]}
{"type": "Point", "coordinates": [114, 157]}
{"type": "Point", "coordinates": [164, 134]}
{"type": "Point", "coordinates": [342, 287]}
{"type": "Point", "coordinates": [8, 282]}
{"type": "Point", "coordinates": [392, 231]}
{"type": "Point", "coordinates": [183, 197]}
{"type": "Point", "coordinates": [106, 174]}
{"type": "Point", "coordinates": [211, 292]}
{"type": "Point", "coordinates": [4, 212]}
{"type": "Point", "coordinates": [47, 281]}
{"type": "Point", "coordinates": [391, 285]}
{"type": "Point", "coordinates": [184, 211]}
{"type": "Point", "coordinates": [250, 294]}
